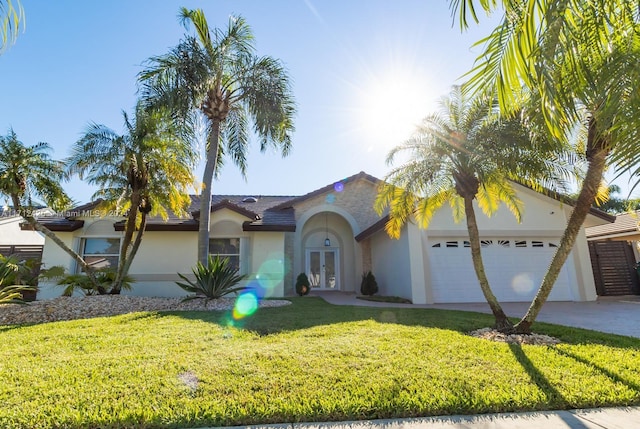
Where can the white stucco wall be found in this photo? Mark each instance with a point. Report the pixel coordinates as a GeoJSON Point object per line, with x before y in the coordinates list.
{"type": "Point", "coordinates": [390, 259]}
{"type": "Point", "coordinates": [540, 216]}
{"type": "Point", "coordinates": [162, 255]}
{"type": "Point", "coordinates": [268, 262]}
{"type": "Point", "coordinates": [11, 234]}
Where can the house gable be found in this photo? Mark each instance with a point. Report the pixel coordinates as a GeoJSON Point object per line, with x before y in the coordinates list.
{"type": "Point", "coordinates": [352, 197]}
{"type": "Point", "coordinates": [541, 214]}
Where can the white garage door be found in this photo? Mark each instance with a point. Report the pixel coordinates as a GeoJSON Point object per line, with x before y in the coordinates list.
{"type": "Point", "coordinates": [514, 267]}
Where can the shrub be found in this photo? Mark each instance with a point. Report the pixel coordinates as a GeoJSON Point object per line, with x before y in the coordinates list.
{"type": "Point", "coordinates": [11, 291]}
{"type": "Point", "coordinates": [80, 282]}
{"type": "Point", "coordinates": [213, 281]}
{"type": "Point", "coordinates": [302, 284]}
{"type": "Point", "coordinates": [369, 285]}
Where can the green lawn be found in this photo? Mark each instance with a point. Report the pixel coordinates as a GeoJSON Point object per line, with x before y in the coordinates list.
{"type": "Point", "coordinates": [310, 361]}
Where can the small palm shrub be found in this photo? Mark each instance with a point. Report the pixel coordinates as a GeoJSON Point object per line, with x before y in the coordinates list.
{"type": "Point", "coordinates": [302, 284]}
{"type": "Point", "coordinates": [212, 281]}
{"type": "Point", "coordinates": [369, 285]}
{"type": "Point", "coordinates": [80, 282]}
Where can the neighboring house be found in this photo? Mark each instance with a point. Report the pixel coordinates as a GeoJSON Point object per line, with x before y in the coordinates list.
{"type": "Point", "coordinates": [334, 235]}
{"type": "Point", "coordinates": [624, 228]}
{"type": "Point", "coordinates": [22, 244]}
{"type": "Point", "coordinates": [12, 235]}
{"type": "Point", "coordinates": [615, 251]}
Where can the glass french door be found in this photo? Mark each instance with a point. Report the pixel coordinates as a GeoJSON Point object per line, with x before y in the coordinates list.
{"type": "Point", "coordinates": [323, 269]}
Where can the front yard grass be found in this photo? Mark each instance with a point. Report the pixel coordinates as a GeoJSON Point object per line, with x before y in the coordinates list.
{"type": "Point", "coordinates": [310, 361]}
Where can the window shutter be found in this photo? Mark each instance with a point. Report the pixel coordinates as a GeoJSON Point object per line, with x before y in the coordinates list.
{"type": "Point", "coordinates": [245, 255]}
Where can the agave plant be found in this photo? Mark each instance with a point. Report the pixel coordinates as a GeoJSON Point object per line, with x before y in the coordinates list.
{"type": "Point", "coordinates": [212, 281]}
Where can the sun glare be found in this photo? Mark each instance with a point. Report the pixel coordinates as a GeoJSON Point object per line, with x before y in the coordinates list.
{"type": "Point", "coordinates": [391, 106]}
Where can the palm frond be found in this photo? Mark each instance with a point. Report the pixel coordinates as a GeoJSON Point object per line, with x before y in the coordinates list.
{"type": "Point", "coordinates": [11, 17]}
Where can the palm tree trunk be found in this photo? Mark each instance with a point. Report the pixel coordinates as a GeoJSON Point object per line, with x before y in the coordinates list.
{"type": "Point", "coordinates": [597, 164]}
{"type": "Point", "coordinates": [502, 324]}
{"type": "Point", "coordinates": [129, 229]}
{"type": "Point", "coordinates": [136, 246]}
{"type": "Point", "coordinates": [205, 196]}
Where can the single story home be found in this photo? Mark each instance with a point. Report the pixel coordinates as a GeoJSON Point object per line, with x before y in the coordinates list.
{"type": "Point", "coordinates": [333, 235]}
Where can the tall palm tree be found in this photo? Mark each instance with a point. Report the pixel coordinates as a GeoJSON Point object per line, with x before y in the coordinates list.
{"type": "Point", "coordinates": [11, 16]}
{"type": "Point", "coordinates": [27, 173]}
{"type": "Point", "coordinates": [578, 62]}
{"type": "Point", "coordinates": [463, 153]}
{"type": "Point", "coordinates": [218, 75]}
{"type": "Point", "coordinates": [146, 171]}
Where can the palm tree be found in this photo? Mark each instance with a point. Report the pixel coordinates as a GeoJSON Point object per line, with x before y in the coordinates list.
{"type": "Point", "coordinates": [615, 204]}
{"type": "Point", "coordinates": [28, 172]}
{"type": "Point", "coordinates": [218, 75]}
{"type": "Point", "coordinates": [11, 15]}
{"type": "Point", "coordinates": [145, 172]}
{"type": "Point", "coordinates": [462, 154]}
{"type": "Point", "coordinates": [578, 63]}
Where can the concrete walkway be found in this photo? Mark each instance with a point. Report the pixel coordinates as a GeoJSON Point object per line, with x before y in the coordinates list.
{"type": "Point", "coordinates": [609, 418]}
{"type": "Point", "coordinates": [618, 315]}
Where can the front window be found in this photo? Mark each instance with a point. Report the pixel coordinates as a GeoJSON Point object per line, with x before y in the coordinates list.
{"type": "Point", "coordinates": [101, 253]}
{"type": "Point", "coordinates": [226, 248]}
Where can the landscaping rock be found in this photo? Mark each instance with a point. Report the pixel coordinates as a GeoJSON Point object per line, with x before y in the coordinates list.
{"type": "Point", "coordinates": [69, 308]}
{"type": "Point", "coordinates": [535, 339]}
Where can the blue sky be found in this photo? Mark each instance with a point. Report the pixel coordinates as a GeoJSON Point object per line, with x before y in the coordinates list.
{"type": "Point", "coordinates": [364, 72]}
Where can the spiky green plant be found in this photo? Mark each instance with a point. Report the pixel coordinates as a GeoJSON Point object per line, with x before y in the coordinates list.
{"type": "Point", "coordinates": [11, 293]}
{"type": "Point", "coordinates": [212, 281]}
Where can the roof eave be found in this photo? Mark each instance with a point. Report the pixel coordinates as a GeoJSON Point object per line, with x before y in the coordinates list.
{"type": "Point", "coordinates": [67, 226]}
{"type": "Point", "coordinates": [184, 226]}
{"type": "Point", "coordinates": [248, 226]}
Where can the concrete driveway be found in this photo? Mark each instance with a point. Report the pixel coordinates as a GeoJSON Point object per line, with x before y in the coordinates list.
{"type": "Point", "coordinates": [619, 315]}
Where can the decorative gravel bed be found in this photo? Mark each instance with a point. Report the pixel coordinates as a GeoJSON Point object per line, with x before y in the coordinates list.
{"type": "Point", "coordinates": [65, 308]}
{"type": "Point", "coordinates": [535, 339]}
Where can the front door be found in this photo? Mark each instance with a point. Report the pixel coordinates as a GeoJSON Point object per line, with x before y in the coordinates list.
{"type": "Point", "coordinates": [323, 268]}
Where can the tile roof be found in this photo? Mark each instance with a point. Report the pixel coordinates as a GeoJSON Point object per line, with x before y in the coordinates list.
{"type": "Point", "coordinates": [624, 224]}
{"type": "Point", "coordinates": [260, 213]}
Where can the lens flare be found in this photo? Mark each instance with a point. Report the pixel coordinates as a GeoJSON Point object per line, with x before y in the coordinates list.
{"type": "Point", "coordinates": [269, 276]}
{"type": "Point", "coordinates": [388, 317]}
{"type": "Point", "coordinates": [246, 305]}
{"type": "Point", "coordinates": [522, 284]}
{"type": "Point", "coordinates": [338, 186]}
{"type": "Point", "coordinates": [330, 199]}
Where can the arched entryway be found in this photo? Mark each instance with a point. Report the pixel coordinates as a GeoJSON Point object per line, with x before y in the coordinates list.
{"type": "Point", "coordinates": [328, 252]}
